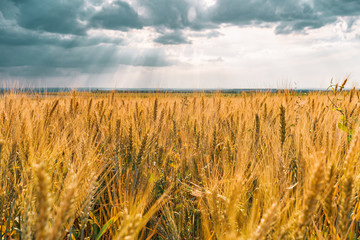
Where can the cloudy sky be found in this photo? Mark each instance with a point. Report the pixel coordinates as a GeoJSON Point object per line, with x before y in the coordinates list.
{"type": "Point", "coordinates": [179, 43]}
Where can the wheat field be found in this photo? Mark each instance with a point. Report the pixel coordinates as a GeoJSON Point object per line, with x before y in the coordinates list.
{"type": "Point", "coordinates": [180, 166]}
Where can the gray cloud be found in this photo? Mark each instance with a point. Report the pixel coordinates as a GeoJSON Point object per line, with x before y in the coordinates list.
{"type": "Point", "coordinates": [242, 12]}
{"type": "Point", "coordinates": [174, 14]}
{"type": "Point", "coordinates": [78, 16]}
{"type": "Point", "coordinates": [22, 60]}
{"type": "Point", "coordinates": [31, 49]}
{"type": "Point", "coordinates": [14, 36]}
{"type": "Point", "coordinates": [289, 15]}
{"type": "Point", "coordinates": [172, 38]}
{"type": "Point", "coordinates": [338, 7]}
{"type": "Point", "coordinates": [206, 34]}
{"type": "Point", "coordinates": [54, 35]}
{"type": "Point", "coordinates": [51, 16]}
{"type": "Point", "coordinates": [117, 16]}
{"type": "Point", "coordinates": [8, 10]}
{"type": "Point", "coordinates": [34, 72]}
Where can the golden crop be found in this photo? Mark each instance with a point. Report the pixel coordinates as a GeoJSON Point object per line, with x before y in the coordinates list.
{"type": "Point", "coordinates": [180, 166]}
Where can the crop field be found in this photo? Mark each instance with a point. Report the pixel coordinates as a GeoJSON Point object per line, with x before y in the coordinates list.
{"type": "Point", "coordinates": [180, 166]}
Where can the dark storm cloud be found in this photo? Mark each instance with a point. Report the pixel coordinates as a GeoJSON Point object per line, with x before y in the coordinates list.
{"type": "Point", "coordinates": [289, 15]}
{"type": "Point", "coordinates": [8, 10]}
{"type": "Point", "coordinates": [84, 59]}
{"type": "Point", "coordinates": [34, 72]}
{"type": "Point", "coordinates": [117, 16]}
{"type": "Point", "coordinates": [54, 35]}
{"type": "Point", "coordinates": [51, 16]}
{"type": "Point", "coordinates": [14, 36]}
{"type": "Point", "coordinates": [172, 38]}
{"type": "Point", "coordinates": [173, 14]}
{"type": "Point", "coordinates": [36, 40]}
{"type": "Point", "coordinates": [78, 16]}
{"type": "Point", "coordinates": [338, 7]}
{"type": "Point", "coordinates": [53, 56]}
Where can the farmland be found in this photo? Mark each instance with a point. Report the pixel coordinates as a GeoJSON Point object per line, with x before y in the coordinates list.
{"type": "Point", "coordinates": [180, 166]}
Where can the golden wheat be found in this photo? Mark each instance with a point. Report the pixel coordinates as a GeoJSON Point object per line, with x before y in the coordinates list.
{"type": "Point", "coordinates": [180, 166]}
